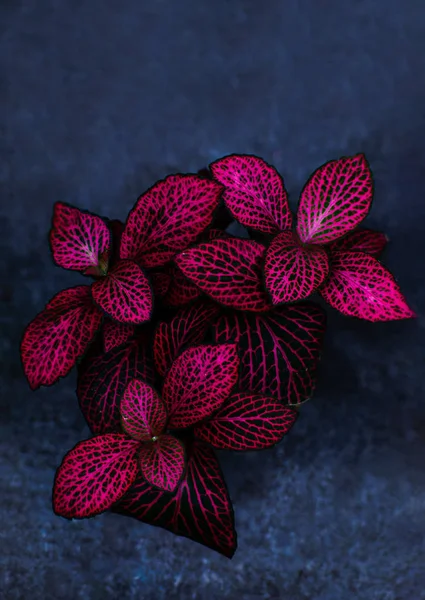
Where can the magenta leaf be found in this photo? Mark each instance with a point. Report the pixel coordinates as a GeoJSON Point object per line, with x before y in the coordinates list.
{"type": "Point", "coordinates": [200, 509]}
{"type": "Point", "coordinates": [143, 414]}
{"type": "Point", "coordinates": [161, 282]}
{"type": "Point", "coordinates": [199, 381]}
{"type": "Point", "coordinates": [181, 290]}
{"type": "Point", "coordinates": [79, 240]}
{"type": "Point", "coordinates": [247, 421]}
{"type": "Point", "coordinates": [162, 462]}
{"type": "Point", "coordinates": [169, 217]}
{"type": "Point", "coordinates": [94, 475]}
{"type": "Point", "coordinates": [115, 334]}
{"type": "Point", "coordinates": [279, 351]}
{"type": "Point", "coordinates": [103, 379]}
{"type": "Point", "coordinates": [59, 335]}
{"type": "Point", "coordinates": [292, 271]}
{"type": "Point", "coordinates": [335, 199]}
{"type": "Point", "coordinates": [229, 271]}
{"type": "Point", "coordinates": [254, 192]}
{"type": "Point", "coordinates": [125, 293]}
{"type": "Point", "coordinates": [361, 240]}
{"type": "Point", "coordinates": [188, 327]}
{"type": "Point", "coordinates": [360, 286]}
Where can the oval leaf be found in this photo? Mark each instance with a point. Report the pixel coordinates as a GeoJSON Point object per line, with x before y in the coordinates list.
{"type": "Point", "coordinates": [103, 378]}
{"type": "Point", "coordinates": [254, 192]}
{"type": "Point", "coordinates": [247, 421]}
{"type": "Point", "coordinates": [359, 286]}
{"type": "Point", "coordinates": [198, 382]}
{"type": "Point", "coordinates": [59, 335]}
{"type": "Point", "coordinates": [93, 475]}
{"type": "Point", "coordinates": [200, 509]}
{"type": "Point", "coordinates": [125, 293]}
{"type": "Point", "coordinates": [79, 240]}
{"type": "Point", "coordinates": [361, 240]}
{"type": "Point", "coordinates": [228, 270]}
{"type": "Point", "coordinates": [169, 217]}
{"type": "Point", "coordinates": [188, 327]}
{"type": "Point", "coordinates": [335, 199]}
{"type": "Point", "coordinates": [279, 351]}
{"type": "Point", "coordinates": [115, 334]}
{"type": "Point", "coordinates": [162, 462]}
{"type": "Point", "coordinates": [293, 272]}
{"type": "Point", "coordinates": [143, 414]}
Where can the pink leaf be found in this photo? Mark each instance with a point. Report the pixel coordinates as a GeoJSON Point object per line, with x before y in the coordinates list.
{"type": "Point", "coordinates": [161, 282]}
{"type": "Point", "coordinates": [79, 240]}
{"type": "Point", "coordinates": [94, 475]}
{"type": "Point", "coordinates": [59, 335]}
{"type": "Point", "coordinates": [228, 270]}
{"type": "Point", "coordinates": [361, 240]}
{"type": "Point", "coordinates": [125, 294]}
{"type": "Point", "coordinates": [169, 217]}
{"type": "Point", "coordinates": [102, 381]}
{"type": "Point", "coordinates": [198, 382]}
{"type": "Point", "coordinates": [247, 421]}
{"type": "Point", "coordinates": [254, 192]}
{"type": "Point", "coordinates": [279, 351]}
{"type": "Point", "coordinates": [162, 462]}
{"type": "Point", "coordinates": [181, 290]}
{"type": "Point", "coordinates": [359, 286]}
{"type": "Point", "coordinates": [188, 327]}
{"type": "Point", "coordinates": [143, 414]}
{"type": "Point", "coordinates": [200, 509]}
{"type": "Point", "coordinates": [292, 271]}
{"type": "Point", "coordinates": [115, 334]}
{"type": "Point", "coordinates": [336, 198]}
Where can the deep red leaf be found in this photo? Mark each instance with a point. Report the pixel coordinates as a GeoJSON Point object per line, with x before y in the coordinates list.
{"type": "Point", "coordinates": [161, 282]}
{"type": "Point", "coordinates": [199, 381]}
{"type": "Point", "coordinates": [188, 327]}
{"type": "Point", "coordinates": [116, 228]}
{"type": "Point", "coordinates": [360, 286]}
{"type": "Point", "coordinates": [103, 379]}
{"type": "Point", "coordinates": [279, 351]}
{"type": "Point", "coordinates": [254, 192]}
{"type": "Point", "coordinates": [162, 462]}
{"type": "Point", "coordinates": [335, 199]}
{"type": "Point", "coordinates": [200, 510]}
{"type": "Point", "coordinates": [79, 240]}
{"type": "Point", "coordinates": [125, 294]}
{"type": "Point", "coordinates": [115, 334]}
{"type": "Point", "coordinates": [143, 414]}
{"type": "Point", "coordinates": [169, 217]}
{"type": "Point", "coordinates": [361, 240]}
{"type": "Point", "coordinates": [247, 421]}
{"type": "Point", "coordinates": [228, 270]}
{"type": "Point", "coordinates": [94, 475]}
{"type": "Point", "coordinates": [59, 335]}
{"type": "Point", "coordinates": [181, 290]}
{"type": "Point", "coordinates": [292, 271]}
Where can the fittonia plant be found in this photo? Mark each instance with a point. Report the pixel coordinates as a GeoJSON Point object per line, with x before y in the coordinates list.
{"type": "Point", "coordinates": [189, 338]}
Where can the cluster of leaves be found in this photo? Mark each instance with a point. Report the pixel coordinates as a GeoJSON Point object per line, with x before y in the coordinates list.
{"type": "Point", "coordinates": [190, 339]}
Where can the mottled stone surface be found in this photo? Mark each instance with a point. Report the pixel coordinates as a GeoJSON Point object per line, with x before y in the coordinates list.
{"type": "Point", "coordinates": [98, 100]}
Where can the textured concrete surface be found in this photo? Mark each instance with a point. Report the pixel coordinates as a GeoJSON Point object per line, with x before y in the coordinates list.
{"type": "Point", "coordinates": [98, 100]}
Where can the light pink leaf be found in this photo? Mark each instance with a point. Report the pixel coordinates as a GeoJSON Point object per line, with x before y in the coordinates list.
{"type": "Point", "coordinates": [143, 414]}
{"type": "Point", "coordinates": [94, 475]}
{"type": "Point", "coordinates": [125, 293]}
{"type": "Point", "coordinates": [360, 286]}
{"type": "Point", "coordinates": [335, 199]}
{"type": "Point", "coordinates": [199, 381]}
{"type": "Point", "coordinates": [79, 240]}
{"type": "Point", "coordinates": [229, 271]}
{"type": "Point", "coordinates": [254, 192]}
{"type": "Point", "coordinates": [292, 271]}
{"type": "Point", "coordinates": [169, 217]}
{"type": "Point", "coordinates": [162, 462]}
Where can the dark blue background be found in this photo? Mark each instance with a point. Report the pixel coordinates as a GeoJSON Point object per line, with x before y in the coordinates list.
{"type": "Point", "coordinates": [98, 100]}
